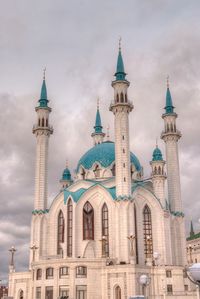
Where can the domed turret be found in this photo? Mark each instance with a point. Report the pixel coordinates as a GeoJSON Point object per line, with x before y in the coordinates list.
{"type": "Point", "coordinates": [158, 174]}
{"type": "Point", "coordinates": [157, 155]}
{"type": "Point", "coordinates": [66, 179]}
{"type": "Point", "coordinates": [99, 162]}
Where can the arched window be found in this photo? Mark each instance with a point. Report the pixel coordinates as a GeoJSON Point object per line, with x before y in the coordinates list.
{"type": "Point", "coordinates": [21, 294]}
{"type": "Point", "coordinates": [159, 170]}
{"type": "Point", "coordinates": [61, 232]}
{"type": "Point", "coordinates": [167, 128]}
{"type": "Point", "coordinates": [172, 129]}
{"type": "Point", "coordinates": [105, 230]}
{"type": "Point", "coordinates": [83, 173]}
{"type": "Point", "coordinates": [118, 294]}
{"type": "Point", "coordinates": [69, 227]}
{"type": "Point", "coordinates": [117, 98]}
{"type": "Point", "coordinates": [122, 97]}
{"type": "Point", "coordinates": [148, 242]}
{"type": "Point", "coordinates": [39, 122]}
{"type": "Point", "coordinates": [88, 222]}
{"type": "Point", "coordinates": [47, 122]}
{"type": "Point", "coordinates": [43, 122]}
{"type": "Point", "coordinates": [97, 171]}
{"type": "Point", "coordinates": [126, 98]}
{"type": "Point", "coordinates": [39, 274]}
{"type": "Point", "coordinates": [113, 170]}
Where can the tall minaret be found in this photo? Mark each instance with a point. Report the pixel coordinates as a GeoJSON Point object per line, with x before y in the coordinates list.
{"type": "Point", "coordinates": [42, 131]}
{"type": "Point", "coordinates": [98, 134]}
{"type": "Point", "coordinates": [171, 135]}
{"type": "Point", "coordinates": [121, 108]}
{"type": "Point", "coordinates": [158, 175]}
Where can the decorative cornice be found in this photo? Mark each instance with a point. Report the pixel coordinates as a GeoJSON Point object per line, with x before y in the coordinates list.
{"type": "Point", "coordinates": [177, 213]}
{"type": "Point", "coordinates": [40, 212]}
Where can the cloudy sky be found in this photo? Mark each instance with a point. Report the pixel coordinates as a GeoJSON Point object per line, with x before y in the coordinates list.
{"type": "Point", "coordinates": [77, 41]}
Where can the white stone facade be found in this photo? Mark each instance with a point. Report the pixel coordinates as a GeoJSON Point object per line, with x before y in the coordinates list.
{"type": "Point", "coordinates": [101, 231]}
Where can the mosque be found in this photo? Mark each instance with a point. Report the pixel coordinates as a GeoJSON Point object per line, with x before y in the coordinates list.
{"type": "Point", "coordinates": [109, 233]}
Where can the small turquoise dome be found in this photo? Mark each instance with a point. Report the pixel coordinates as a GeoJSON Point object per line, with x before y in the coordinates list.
{"type": "Point", "coordinates": [157, 155]}
{"type": "Point", "coordinates": [104, 154]}
{"type": "Point", "coordinates": [66, 176]}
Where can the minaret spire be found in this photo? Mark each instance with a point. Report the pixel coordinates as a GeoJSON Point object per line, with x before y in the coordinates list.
{"type": "Point", "coordinates": [191, 229]}
{"type": "Point", "coordinates": [169, 108]}
{"type": "Point", "coordinates": [98, 134]}
{"type": "Point", "coordinates": [42, 131]}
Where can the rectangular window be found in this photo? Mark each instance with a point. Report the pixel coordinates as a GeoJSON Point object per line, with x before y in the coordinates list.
{"type": "Point", "coordinates": [184, 274]}
{"type": "Point", "coordinates": [63, 271]}
{"type": "Point", "coordinates": [81, 271]}
{"type": "Point", "coordinates": [49, 293]}
{"type": "Point", "coordinates": [81, 292]}
{"type": "Point", "coordinates": [38, 293]}
{"type": "Point", "coordinates": [64, 291]}
{"type": "Point", "coordinates": [169, 289]}
{"type": "Point", "coordinates": [186, 287]}
{"type": "Point", "coordinates": [49, 273]}
{"type": "Point", "coordinates": [168, 273]}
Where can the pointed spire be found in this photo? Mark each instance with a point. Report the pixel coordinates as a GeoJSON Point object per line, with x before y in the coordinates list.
{"type": "Point", "coordinates": [191, 229]}
{"type": "Point", "coordinates": [98, 127]}
{"type": "Point", "coordinates": [120, 73]}
{"type": "Point", "coordinates": [169, 108]}
{"type": "Point", "coordinates": [43, 95]}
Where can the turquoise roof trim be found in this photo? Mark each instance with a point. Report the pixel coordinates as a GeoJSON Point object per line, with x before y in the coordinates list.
{"type": "Point", "coordinates": [169, 108]}
{"type": "Point", "coordinates": [120, 73]}
{"type": "Point", "coordinates": [104, 154]}
{"type": "Point", "coordinates": [157, 155]}
{"type": "Point", "coordinates": [98, 127]}
{"type": "Point", "coordinates": [43, 96]}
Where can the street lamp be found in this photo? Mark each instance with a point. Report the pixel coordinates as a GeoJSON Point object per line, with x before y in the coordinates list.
{"type": "Point", "coordinates": [144, 281]}
{"type": "Point", "coordinates": [193, 273]}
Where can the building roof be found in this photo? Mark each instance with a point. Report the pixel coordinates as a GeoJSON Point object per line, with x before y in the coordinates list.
{"type": "Point", "coordinates": [169, 108]}
{"type": "Point", "coordinates": [98, 127]}
{"type": "Point", "coordinates": [157, 155]}
{"type": "Point", "coordinates": [43, 101]}
{"type": "Point", "coordinates": [76, 195]}
{"type": "Point", "coordinates": [193, 237]}
{"type": "Point", "coordinates": [103, 154]}
{"type": "Point", "coordinates": [66, 176]}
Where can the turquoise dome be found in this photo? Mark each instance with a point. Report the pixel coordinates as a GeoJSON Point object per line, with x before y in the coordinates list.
{"type": "Point", "coordinates": [66, 176]}
{"type": "Point", "coordinates": [157, 155]}
{"type": "Point", "coordinates": [104, 154]}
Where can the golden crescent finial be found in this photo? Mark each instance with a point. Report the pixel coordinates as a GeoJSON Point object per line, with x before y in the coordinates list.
{"type": "Point", "coordinates": [98, 101]}
{"type": "Point", "coordinates": [120, 42]}
{"type": "Point", "coordinates": [44, 73]}
{"type": "Point", "coordinates": [167, 81]}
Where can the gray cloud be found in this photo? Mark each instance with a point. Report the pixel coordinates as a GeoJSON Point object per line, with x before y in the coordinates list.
{"type": "Point", "coordinates": [77, 42]}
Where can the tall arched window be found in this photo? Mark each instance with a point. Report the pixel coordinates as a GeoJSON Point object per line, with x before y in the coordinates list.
{"type": "Point", "coordinates": [113, 169]}
{"type": "Point", "coordinates": [105, 231]}
{"type": "Point", "coordinates": [42, 122]}
{"type": "Point", "coordinates": [97, 171]}
{"type": "Point", "coordinates": [122, 97]}
{"type": "Point", "coordinates": [21, 294]}
{"type": "Point", "coordinates": [83, 173]}
{"type": "Point", "coordinates": [61, 232]}
{"type": "Point", "coordinates": [148, 242]}
{"type": "Point", "coordinates": [88, 222]}
{"type": "Point", "coordinates": [69, 227]}
{"type": "Point", "coordinates": [118, 294]}
{"type": "Point", "coordinates": [117, 98]}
